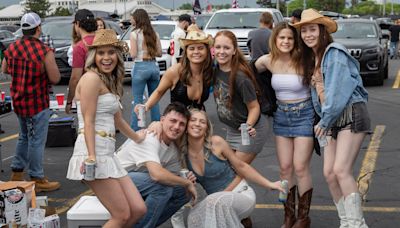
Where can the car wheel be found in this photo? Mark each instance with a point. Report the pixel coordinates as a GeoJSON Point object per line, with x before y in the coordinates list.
{"type": "Point", "coordinates": [386, 71]}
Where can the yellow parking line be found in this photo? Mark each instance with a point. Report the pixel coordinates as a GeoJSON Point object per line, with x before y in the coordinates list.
{"type": "Point", "coordinates": [396, 84]}
{"type": "Point", "coordinates": [70, 203]}
{"type": "Point", "coordinates": [368, 165]}
{"type": "Point", "coordinates": [332, 208]}
{"type": "Point", "coordinates": [10, 137]}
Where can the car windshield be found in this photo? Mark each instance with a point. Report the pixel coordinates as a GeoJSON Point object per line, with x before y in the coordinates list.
{"type": "Point", "coordinates": [58, 30]}
{"type": "Point", "coordinates": [164, 30]}
{"type": "Point", "coordinates": [232, 20]}
{"type": "Point", "coordinates": [355, 30]}
{"type": "Point", "coordinates": [201, 20]}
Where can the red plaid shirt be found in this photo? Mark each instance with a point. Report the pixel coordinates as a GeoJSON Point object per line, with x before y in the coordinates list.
{"type": "Point", "coordinates": [29, 84]}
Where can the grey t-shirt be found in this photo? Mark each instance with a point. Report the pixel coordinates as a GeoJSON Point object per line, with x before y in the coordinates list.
{"type": "Point", "coordinates": [244, 93]}
{"type": "Point", "coordinates": [258, 42]}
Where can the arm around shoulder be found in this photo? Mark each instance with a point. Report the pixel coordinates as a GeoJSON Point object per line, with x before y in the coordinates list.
{"type": "Point", "coordinates": [51, 68]}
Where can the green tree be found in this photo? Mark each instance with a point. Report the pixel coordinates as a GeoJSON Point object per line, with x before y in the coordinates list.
{"type": "Point", "coordinates": [327, 5]}
{"type": "Point", "coordinates": [41, 7]}
{"type": "Point", "coordinates": [186, 6]}
{"type": "Point", "coordinates": [61, 11]}
{"type": "Point", "coordinates": [364, 8]}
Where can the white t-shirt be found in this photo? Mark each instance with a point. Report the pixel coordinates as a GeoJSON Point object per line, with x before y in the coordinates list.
{"type": "Point", "coordinates": [176, 35]}
{"type": "Point", "coordinates": [133, 156]}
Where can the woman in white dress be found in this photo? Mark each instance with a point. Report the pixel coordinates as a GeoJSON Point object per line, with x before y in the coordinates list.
{"type": "Point", "coordinates": [99, 113]}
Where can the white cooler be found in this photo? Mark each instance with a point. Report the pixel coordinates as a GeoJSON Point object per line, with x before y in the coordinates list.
{"type": "Point", "coordinates": [87, 212]}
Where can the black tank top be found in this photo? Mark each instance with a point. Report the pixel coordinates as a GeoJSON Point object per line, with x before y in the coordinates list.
{"type": "Point", "coordinates": [179, 94]}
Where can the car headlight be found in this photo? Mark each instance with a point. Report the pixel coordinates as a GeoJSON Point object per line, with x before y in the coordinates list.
{"type": "Point", "coordinates": [373, 50]}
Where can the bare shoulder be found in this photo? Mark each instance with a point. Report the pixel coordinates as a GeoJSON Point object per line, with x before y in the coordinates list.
{"type": "Point", "coordinates": [90, 81]}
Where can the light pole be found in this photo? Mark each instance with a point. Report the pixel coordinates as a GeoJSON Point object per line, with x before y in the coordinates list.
{"type": "Point", "coordinates": [304, 4]}
{"type": "Point", "coordinates": [391, 11]}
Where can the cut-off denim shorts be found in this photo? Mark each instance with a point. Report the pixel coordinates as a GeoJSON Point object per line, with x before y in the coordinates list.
{"type": "Point", "coordinates": [354, 117]}
{"type": "Point", "coordinates": [294, 119]}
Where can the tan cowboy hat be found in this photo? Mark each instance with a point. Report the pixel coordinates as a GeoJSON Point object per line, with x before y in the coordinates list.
{"type": "Point", "coordinates": [311, 16]}
{"type": "Point", "coordinates": [104, 37]}
{"type": "Point", "coordinates": [195, 36]}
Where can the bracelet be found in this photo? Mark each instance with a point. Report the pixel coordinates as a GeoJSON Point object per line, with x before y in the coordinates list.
{"type": "Point", "coordinates": [69, 103]}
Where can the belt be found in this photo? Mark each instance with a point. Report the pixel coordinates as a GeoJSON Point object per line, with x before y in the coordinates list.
{"type": "Point", "coordinates": [299, 106]}
{"type": "Point", "coordinates": [99, 133]}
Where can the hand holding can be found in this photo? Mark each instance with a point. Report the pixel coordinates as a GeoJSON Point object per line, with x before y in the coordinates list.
{"type": "Point", "coordinates": [89, 170]}
{"type": "Point", "coordinates": [322, 141]}
{"type": "Point", "coordinates": [245, 134]}
{"type": "Point", "coordinates": [283, 195]}
{"type": "Point", "coordinates": [141, 115]}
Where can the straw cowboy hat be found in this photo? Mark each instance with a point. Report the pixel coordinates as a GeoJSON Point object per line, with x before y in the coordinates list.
{"type": "Point", "coordinates": [195, 36]}
{"type": "Point", "coordinates": [104, 37]}
{"type": "Point", "coordinates": [311, 16]}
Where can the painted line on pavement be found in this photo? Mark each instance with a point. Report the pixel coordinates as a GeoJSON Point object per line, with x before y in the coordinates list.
{"type": "Point", "coordinates": [368, 165]}
{"type": "Point", "coordinates": [333, 208]}
{"type": "Point", "coordinates": [10, 137]}
{"type": "Point", "coordinates": [71, 202]}
{"type": "Point", "coordinates": [396, 84]}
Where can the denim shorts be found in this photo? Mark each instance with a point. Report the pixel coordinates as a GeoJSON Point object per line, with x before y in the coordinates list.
{"type": "Point", "coordinates": [358, 123]}
{"type": "Point", "coordinates": [294, 119]}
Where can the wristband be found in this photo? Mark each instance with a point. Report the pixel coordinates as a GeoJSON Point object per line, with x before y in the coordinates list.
{"type": "Point", "coordinates": [69, 103]}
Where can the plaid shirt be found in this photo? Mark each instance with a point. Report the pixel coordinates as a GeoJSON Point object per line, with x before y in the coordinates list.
{"type": "Point", "coordinates": [29, 84]}
{"type": "Point", "coordinates": [46, 39]}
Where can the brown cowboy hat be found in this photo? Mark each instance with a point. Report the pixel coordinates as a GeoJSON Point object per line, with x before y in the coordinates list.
{"type": "Point", "coordinates": [195, 36]}
{"type": "Point", "coordinates": [104, 37]}
{"type": "Point", "coordinates": [311, 16]}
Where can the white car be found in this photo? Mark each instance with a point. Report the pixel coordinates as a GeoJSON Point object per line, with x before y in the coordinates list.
{"type": "Point", "coordinates": [164, 30]}
{"type": "Point", "coordinates": [240, 21]}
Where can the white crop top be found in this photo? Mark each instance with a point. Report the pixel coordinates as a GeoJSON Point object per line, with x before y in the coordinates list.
{"type": "Point", "coordinates": [289, 87]}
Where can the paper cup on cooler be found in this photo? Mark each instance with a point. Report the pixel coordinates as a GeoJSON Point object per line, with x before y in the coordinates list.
{"type": "Point", "coordinates": [60, 98]}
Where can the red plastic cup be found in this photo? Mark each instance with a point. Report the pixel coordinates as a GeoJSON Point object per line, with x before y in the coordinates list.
{"type": "Point", "coordinates": [60, 98]}
{"type": "Point", "coordinates": [3, 95]}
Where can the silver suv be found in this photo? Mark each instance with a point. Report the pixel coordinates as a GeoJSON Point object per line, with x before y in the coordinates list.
{"type": "Point", "coordinates": [240, 21]}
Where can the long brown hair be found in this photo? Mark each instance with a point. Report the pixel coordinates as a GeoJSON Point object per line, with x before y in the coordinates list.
{"type": "Point", "coordinates": [113, 82]}
{"type": "Point", "coordinates": [185, 72]}
{"type": "Point", "coordinates": [143, 23]}
{"type": "Point", "coordinates": [294, 54]}
{"type": "Point", "coordinates": [238, 63]}
{"type": "Point", "coordinates": [308, 56]}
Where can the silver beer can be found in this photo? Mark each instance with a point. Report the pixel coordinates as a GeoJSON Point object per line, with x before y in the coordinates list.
{"type": "Point", "coordinates": [184, 173]}
{"type": "Point", "coordinates": [283, 195]}
{"type": "Point", "coordinates": [245, 134]}
{"type": "Point", "coordinates": [141, 116]}
{"type": "Point", "coordinates": [322, 141]}
{"type": "Point", "coordinates": [89, 170]}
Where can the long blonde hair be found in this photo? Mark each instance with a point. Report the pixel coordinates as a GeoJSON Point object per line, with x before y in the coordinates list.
{"type": "Point", "coordinates": [113, 83]}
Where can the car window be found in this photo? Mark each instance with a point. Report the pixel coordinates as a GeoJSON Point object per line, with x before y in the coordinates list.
{"type": "Point", "coordinates": [58, 30]}
{"type": "Point", "coordinates": [232, 20]}
{"type": "Point", "coordinates": [114, 26]}
{"type": "Point", "coordinates": [164, 30]}
{"type": "Point", "coordinates": [201, 20]}
{"type": "Point", "coordinates": [355, 30]}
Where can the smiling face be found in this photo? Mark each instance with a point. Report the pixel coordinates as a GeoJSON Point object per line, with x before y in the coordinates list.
{"type": "Point", "coordinates": [173, 125]}
{"type": "Point", "coordinates": [196, 53]}
{"type": "Point", "coordinates": [285, 41]}
{"type": "Point", "coordinates": [310, 35]}
{"type": "Point", "coordinates": [197, 125]}
{"type": "Point", "coordinates": [106, 59]}
{"type": "Point", "coordinates": [224, 50]}
{"type": "Point", "coordinates": [100, 24]}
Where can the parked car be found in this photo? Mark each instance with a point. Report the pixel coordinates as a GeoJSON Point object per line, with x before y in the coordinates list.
{"type": "Point", "coordinates": [6, 38]}
{"type": "Point", "coordinates": [240, 21]}
{"type": "Point", "coordinates": [365, 42]}
{"type": "Point", "coordinates": [60, 30]}
{"type": "Point", "coordinates": [202, 19]}
{"type": "Point", "coordinates": [164, 30]}
{"type": "Point", "coordinates": [11, 28]}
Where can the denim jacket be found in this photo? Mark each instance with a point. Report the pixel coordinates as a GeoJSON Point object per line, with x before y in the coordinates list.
{"type": "Point", "coordinates": [342, 84]}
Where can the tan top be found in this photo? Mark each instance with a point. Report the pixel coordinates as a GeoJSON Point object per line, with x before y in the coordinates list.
{"type": "Point", "coordinates": [318, 82]}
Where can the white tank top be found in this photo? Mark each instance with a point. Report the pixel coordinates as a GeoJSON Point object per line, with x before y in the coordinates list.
{"type": "Point", "coordinates": [289, 87]}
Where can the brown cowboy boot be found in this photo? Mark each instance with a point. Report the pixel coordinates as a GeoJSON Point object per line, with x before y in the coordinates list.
{"type": "Point", "coordinates": [246, 222]}
{"type": "Point", "coordinates": [17, 176]}
{"type": "Point", "coordinates": [303, 221]}
{"type": "Point", "coordinates": [290, 208]}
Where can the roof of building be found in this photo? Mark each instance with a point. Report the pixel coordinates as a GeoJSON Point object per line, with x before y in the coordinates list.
{"type": "Point", "coordinates": [128, 7]}
{"type": "Point", "coordinates": [12, 11]}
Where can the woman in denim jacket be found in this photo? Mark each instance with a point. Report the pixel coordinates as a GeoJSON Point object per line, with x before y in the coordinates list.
{"type": "Point", "coordinates": [339, 98]}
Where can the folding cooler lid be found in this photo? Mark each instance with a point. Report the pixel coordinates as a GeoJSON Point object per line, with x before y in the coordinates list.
{"type": "Point", "coordinates": [88, 208]}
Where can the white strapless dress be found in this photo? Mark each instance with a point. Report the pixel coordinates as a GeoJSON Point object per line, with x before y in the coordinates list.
{"type": "Point", "coordinates": [107, 165]}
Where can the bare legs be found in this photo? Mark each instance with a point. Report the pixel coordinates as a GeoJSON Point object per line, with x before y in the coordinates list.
{"type": "Point", "coordinates": [122, 200]}
{"type": "Point", "coordinates": [294, 156]}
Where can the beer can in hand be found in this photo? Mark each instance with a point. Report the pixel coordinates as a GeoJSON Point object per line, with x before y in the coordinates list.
{"type": "Point", "coordinates": [141, 116]}
{"type": "Point", "coordinates": [245, 134]}
{"type": "Point", "coordinates": [322, 141]}
{"type": "Point", "coordinates": [89, 170]}
{"type": "Point", "coordinates": [184, 173]}
{"type": "Point", "coordinates": [283, 195]}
